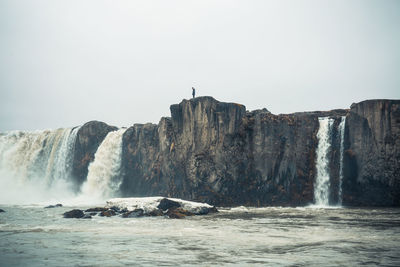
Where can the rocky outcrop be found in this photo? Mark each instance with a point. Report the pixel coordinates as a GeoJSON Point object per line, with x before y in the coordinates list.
{"type": "Point", "coordinates": [76, 213]}
{"type": "Point", "coordinates": [89, 137]}
{"type": "Point", "coordinates": [140, 207]}
{"type": "Point", "coordinates": [220, 154]}
{"type": "Point", "coordinates": [372, 155]}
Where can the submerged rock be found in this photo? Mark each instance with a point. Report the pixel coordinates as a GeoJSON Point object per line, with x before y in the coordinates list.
{"type": "Point", "coordinates": [76, 213]}
{"type": "Point", "coordinates": [133, 214]}
{"type": "Point", "coordinates": [108, 213]}
{"type": "Point", "coordinates": [1, 210]}
{"type": "Point", "coordinates": [97, 209]}
{"type": "Point", "coordinates": [53, 206]}
{"type": "Point", "coordinates": [87, 216]}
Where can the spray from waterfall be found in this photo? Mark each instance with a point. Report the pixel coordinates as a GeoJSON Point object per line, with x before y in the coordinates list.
{"type": "Point", "coordinates": [322, 181]}
{"type": "Point", "coordinates": [341, 133]}
{"type": "Point", "coordinates": [35, 166]}
{"type": "Point", "coordinates": [103, 178]}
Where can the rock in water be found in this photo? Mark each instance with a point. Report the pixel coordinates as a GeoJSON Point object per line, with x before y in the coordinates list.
{"type": "Point", "coordinates": [159, 206]}
{"type": "Point", "coordinates": [178, 213]}
{"type": "Point", "coordinates": [53, 206]}
{"type": "Point", "coordinates": [108, 213]}
{"type": "Point", "coordinates": [74, 214]}
{"type": "Point", "coordinates": [97, 209]}
{"type": "Point", "coordinates": [166, 204]}
{"type": "Point", "coordinates": [133, 214]}
{"type": "Point", "coordinates": [1, 210]}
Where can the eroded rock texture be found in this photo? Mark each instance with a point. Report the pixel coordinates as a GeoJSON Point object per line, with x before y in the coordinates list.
{"type": "Point", "coordinates": [372, 155]}
{"type": "Point", "coordinates": [221, 154]}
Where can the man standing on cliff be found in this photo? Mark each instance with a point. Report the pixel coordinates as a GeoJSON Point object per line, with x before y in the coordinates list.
{"type": "Point", "coordinates": [193, 92]}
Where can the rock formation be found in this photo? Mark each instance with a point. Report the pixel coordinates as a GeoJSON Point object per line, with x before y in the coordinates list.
{"type": "Point", "coordinates": [219, 153]}
{"type": "Point", "coordinates": [372, 158]}
{"type": "Point", "coordinates": [89, 137]}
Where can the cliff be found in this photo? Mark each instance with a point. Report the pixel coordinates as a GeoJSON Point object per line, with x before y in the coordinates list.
{"type": "Point", "coordinates": [372, 158]}
{"type": "Point", "coordinates": [222, 154]}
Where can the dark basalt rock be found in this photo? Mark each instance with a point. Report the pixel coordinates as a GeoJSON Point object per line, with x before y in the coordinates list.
{"type": "Point", "coordinates": [133, 214]}
{"type": "Point", "coordinates": [221, 154]}
{"type": "Point", "coordinates": [97, 209]}
{"type": "Point", "coordinates": [88, 139]}
{"type": "Point", "coordinates": [108, 213]}
{"type": "Point", "coordinates": [53, 206]}
{"type": "Point", "coordinates": [76, 213]}
{"type": "Point", "coordinates": [1, 210]}
{"type": "Point", "coordinates": [372, 158]}
{"type": "Point", "coordinates": [156, 212]}
{"type": "Point", "coordinates": [166, 204]}
{"type": "Point", "coordinates": [218, 153]}
{"type": "Point", "coordinates": [205, 211]}
{"type": "Point", "coordinates": [178, 213]}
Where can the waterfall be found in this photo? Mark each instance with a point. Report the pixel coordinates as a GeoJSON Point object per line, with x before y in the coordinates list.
{"type": "Point", "coordinates": [103, 178]}
{"type": "Point", "coordinates": [32, 164]}
{"type": "Point", "coordinates": [341, 133]}
{"type": "Point", "coordinates": [322, 181]}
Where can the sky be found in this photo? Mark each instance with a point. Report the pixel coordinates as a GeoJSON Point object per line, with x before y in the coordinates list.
{"type": "Point", "coordinates": [64, 63]}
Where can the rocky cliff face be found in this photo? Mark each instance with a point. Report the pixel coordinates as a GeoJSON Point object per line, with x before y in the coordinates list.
{"type": "Point", "coordinates": [224, 155]}
{"type": "Point", "coordinates": [219, 153]}
{"type": "Point", "coordinates": [89, 137]}
{"type": "Point", "coordinates": [372, 156]}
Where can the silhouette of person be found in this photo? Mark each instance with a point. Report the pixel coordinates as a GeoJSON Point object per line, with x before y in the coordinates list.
{"type": "Point", "coordinates": [193, 92]}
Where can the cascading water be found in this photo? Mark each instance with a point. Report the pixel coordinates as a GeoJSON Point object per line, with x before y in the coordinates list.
{"type": "Point", "coordinates": [33, 165]}
{"type": "Point", "coordinates": [104, 172]}
{"type": "Point", "coordinates": [341, 133]}
{"type": "Point", "coordinates": [322, 181]}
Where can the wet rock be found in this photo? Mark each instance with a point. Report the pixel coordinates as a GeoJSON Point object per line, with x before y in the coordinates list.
{"type": "Point", "coordinates": [93, 213]}
{"type": "Point", "coordinates": [115, 208]}
{"type": "Point", "coordinates": [206, 210]}
{"type": "Point", "coordinates": [1, 210]}
{"type": "Point", "coordinates": [97, 209]}
{"type": "Point", "coordinates": [76, 213]}
{"type": "Point", "coordinates": [178, 213]}
{"type": "Point", "coordinates": [87, 216]}
{"type": "Point", "coordinates": [156, 212]}
{"type": "Point", "coordinates": [53, 206]}
{"type": "Point", "coordinates": [133, 214]}
{"type": "Point", "coordinates": [166, 204]}
{"type": "Point", "coordinates": [108, 213]}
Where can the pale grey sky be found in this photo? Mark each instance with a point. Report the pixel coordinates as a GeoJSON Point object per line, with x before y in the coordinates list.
{"type": "Point", "coordinates": [63, 63]}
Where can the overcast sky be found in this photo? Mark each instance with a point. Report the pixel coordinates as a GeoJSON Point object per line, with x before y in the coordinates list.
{"type": "Point", "coordinates": [63, 63]}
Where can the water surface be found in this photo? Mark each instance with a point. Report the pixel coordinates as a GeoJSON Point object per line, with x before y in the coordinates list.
{"type": "Point", "coordinates": [34, 236]}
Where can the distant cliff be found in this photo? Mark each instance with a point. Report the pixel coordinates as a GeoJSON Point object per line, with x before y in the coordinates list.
{"type": "Point", "coordinates": [224, 155]}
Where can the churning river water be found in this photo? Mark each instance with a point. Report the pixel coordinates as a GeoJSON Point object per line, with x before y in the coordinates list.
{"type": "Point", "coordinates": [34, 236]}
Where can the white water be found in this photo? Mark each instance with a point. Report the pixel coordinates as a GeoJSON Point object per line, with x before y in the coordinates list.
{"type": "Point", "coordinates": [35, 166]}
{"type": "Point", "coordinates": [103, 178]}
{"type": "Point", "coordinates": [322, 182]}
{"type": "Point", "coordinates": [341, 133]}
